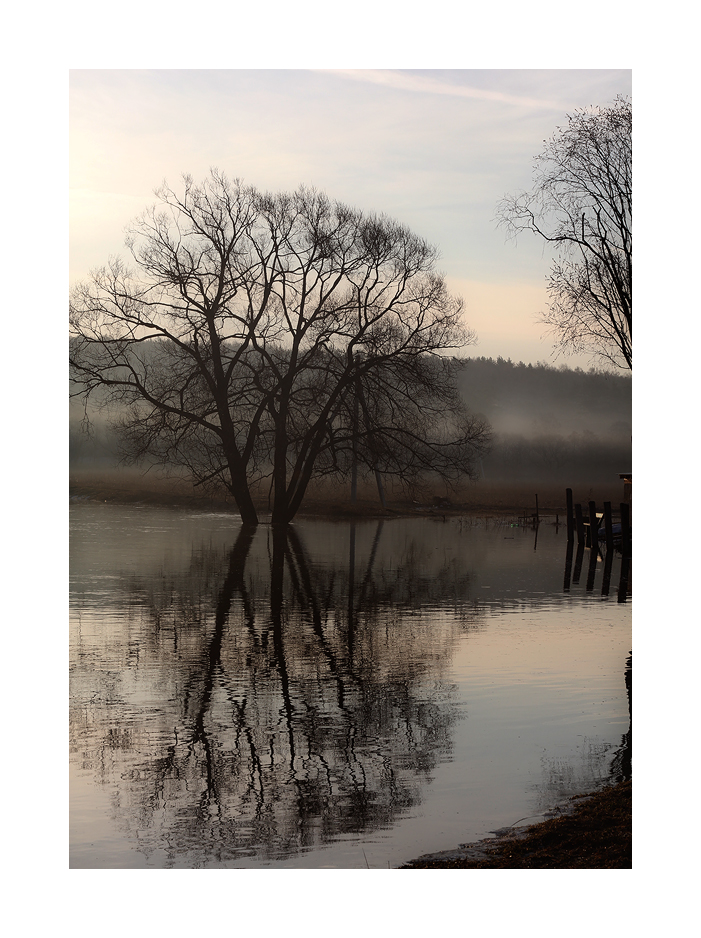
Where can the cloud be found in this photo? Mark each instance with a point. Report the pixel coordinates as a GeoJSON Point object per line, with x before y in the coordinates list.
{"type": "Point", "coordinates": [424, 84]}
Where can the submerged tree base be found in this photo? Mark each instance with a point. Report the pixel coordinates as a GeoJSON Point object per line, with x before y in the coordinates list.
{"type": "Point", "coordinates": [596, 835]}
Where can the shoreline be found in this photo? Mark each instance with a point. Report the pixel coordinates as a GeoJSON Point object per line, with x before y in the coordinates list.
{"type": "Point", "coordinates": [590, 831]}
{"type": "Point", "coordinates": [499, 501]}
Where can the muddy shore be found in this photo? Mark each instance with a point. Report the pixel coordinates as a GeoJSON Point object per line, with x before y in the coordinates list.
{"type": "Point", "coordinates": [592, 831]}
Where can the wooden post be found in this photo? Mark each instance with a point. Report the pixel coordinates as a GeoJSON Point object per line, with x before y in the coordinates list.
{"type": "Point", "coordinates": [579, 523]}
{"type": "Point", "coordinates": [625, 553]}
{"type": "Point", "coordinates": [608, 564]}
{"type": "Point", "coordinates": [623, 582]}
{"type": "Point", "coordinates": [608, 526]}
{"type": "Point", "coordinates": [591, 572]}
{"type": "Point", "coordinates": [576, 573]}
{"type": "Point", "coordinates": [625, 530]}
{"type": "Point", "coordinates": [593, 540]}
{"type": "Point", "coordinates": [568, 566]}
{"type": "Point", "coordinates": [570, 515]}
{"type": "Point", "coordinates": [537, 515]}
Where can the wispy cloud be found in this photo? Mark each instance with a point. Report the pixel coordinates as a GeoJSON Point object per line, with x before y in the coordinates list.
{"type": "Point", "coordinates": [403, 81]}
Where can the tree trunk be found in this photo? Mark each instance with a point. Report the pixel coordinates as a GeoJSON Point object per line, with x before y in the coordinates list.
{"type": "Point", "coordinates": [280, 500]}
{"type": "Point", "coordinates": [247, 510]}
{"type": "Point", "coordinates": [242, 496]}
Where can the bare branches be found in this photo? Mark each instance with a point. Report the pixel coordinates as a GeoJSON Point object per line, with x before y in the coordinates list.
{"type": "Point", "coordinates": [582, 204]}
{"type": "Point", "coordinates": [234, 343]}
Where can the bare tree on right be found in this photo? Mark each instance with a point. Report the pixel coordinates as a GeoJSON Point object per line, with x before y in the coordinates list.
{"type": "Point", "coordinates": [582, 204]}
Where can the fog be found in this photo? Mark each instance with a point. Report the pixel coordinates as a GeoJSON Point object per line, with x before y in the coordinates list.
{"type": "Point", "coordinates": [553, 425]}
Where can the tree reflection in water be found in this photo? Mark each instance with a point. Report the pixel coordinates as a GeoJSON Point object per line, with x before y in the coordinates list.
{"type": "Point", "coordinates": [285, 703]}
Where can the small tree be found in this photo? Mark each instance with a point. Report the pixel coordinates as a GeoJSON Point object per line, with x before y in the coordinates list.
{"type": "Point", "coordinates": [239, 347]}
{"type": "Point", "coordinates": [582, 203]}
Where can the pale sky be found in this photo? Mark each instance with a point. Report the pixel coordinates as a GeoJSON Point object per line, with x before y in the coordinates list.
{"type": "Point", "coordinates": [435, 149]}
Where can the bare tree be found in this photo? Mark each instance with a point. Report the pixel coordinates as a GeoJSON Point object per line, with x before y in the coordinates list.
{"type": "Point", "coordinates": [236, 344]}
{"type": "Point", "coordinates": [582, 203]}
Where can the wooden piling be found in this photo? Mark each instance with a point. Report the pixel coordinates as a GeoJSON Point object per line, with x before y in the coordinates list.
{"type": "Point", "coordinates": [625, 530]}
{"type": "Point", "coordinates": [579, 522]}
{"type": "Point", "coordinates": [537, 515]}
{"type": "Point", "coordinates": [608, 565]}
{"type": "Point", "coordinates": [570, 515]}
{"type": "Point", "coordinates": [577, 572]}
{"type": "Point", "coordinates": [623, 584]}
{"type": "Point", "coordinates": [623, 581]}
{"type": "Point", "coordinates": [593, 531]}
{"type": "Point", "coordinates": [608, 525]}
{"type": "Point", "coordinates": [591, 572]}
{"type": "Point", "coordinates": [568, 566]}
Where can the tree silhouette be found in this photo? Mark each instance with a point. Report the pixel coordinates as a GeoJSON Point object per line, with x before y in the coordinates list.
{"type": "Point", "coordinates": [582, 204]}
{"type": "Point", "coordinates": [236, 345]}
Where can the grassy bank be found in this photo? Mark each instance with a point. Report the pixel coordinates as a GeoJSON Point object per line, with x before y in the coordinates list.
{"type": "Point", "coordinates": [596, 835]}
{"type": "Point", "coordinates": [133, 486]}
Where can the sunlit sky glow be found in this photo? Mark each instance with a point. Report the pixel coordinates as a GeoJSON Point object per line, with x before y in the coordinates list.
{"type": "Point", "coordinates": [435, 149]}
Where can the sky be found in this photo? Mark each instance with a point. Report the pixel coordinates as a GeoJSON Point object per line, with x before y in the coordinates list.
{"type": "Point", "coordinates": [435, 149]}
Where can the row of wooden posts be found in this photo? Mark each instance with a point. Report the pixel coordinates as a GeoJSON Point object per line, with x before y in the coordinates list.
{"type": "Point", "coordinates": [588, 531]}
{"type": "Point", "coordinates": [588, 535]}
{"type": "Point", "coordinates": [573, 575]}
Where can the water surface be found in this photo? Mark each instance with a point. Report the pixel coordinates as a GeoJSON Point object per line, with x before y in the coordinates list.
{"type": "Point", "coordinates": [343, 695]}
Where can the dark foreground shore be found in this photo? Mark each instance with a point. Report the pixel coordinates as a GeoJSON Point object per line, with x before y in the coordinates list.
{"type": "Point", "coordinates": [597, 834]}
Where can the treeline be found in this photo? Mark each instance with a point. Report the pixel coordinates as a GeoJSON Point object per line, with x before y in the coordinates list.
{"type": "Point", "coordinates": [551, 424]}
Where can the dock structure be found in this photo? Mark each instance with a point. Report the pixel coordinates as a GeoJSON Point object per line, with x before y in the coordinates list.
{"type": "Point", "coordinates": [592, 526]}
{"type": "Point", "coordinates": [594, 529]}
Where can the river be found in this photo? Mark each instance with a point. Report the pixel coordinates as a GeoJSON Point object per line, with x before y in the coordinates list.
{"type": "Point", "coordinates": [337, 695]}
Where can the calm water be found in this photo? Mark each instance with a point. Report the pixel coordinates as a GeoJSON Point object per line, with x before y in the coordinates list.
{"type": "Point", "coordinates": [347, 695]}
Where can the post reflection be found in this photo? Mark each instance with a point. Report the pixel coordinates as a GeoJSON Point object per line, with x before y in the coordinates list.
{"type": "Point", "coordinates": [279, 703]}
{"type": "Point", "coordinates": [596, 553]}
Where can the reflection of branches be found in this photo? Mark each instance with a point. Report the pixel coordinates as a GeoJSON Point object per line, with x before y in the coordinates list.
{"type": "Point", "coordinates": [293, 706]}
